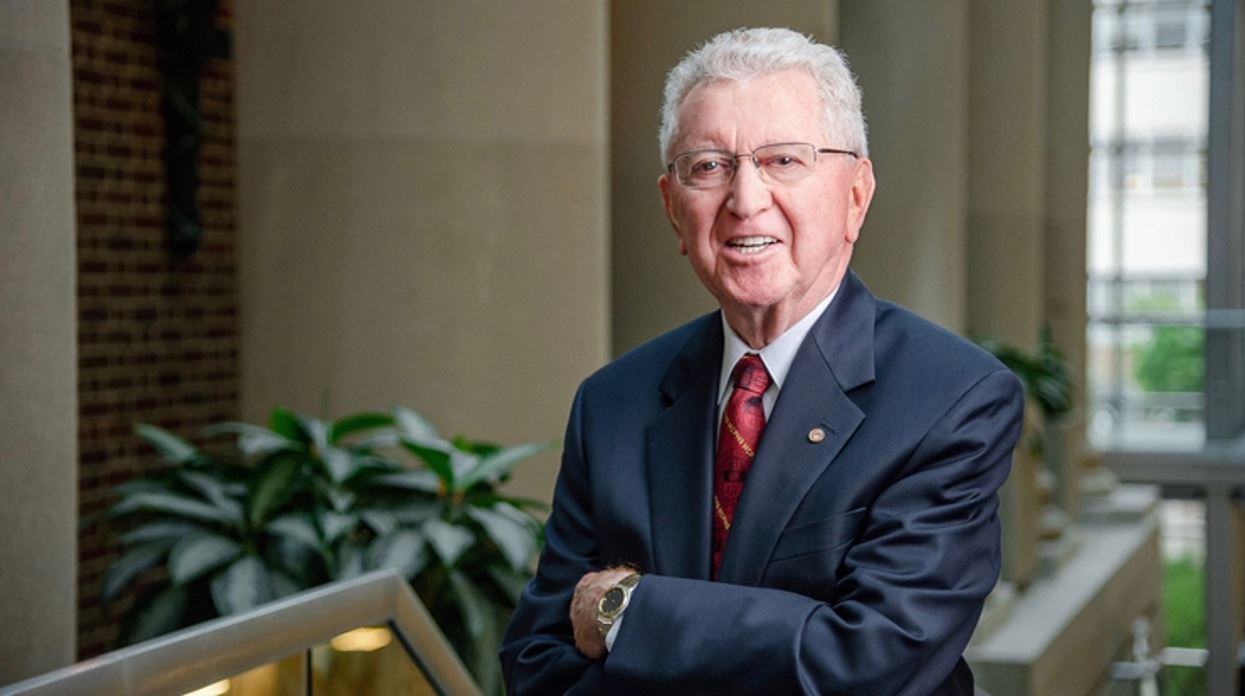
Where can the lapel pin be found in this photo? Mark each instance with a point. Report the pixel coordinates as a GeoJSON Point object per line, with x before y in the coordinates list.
{"type": "Point", "coordinates": [816, 435]}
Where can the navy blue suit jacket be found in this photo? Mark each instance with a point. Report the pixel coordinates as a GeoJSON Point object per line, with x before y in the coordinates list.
{"type": "Point", "coordinates": [855, 565]}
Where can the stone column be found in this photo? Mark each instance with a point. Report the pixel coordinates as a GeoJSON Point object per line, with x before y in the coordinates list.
{"type": "Point", "coordinates": [911, 60]}
{"type": "Point", "coordinates": [1006, 215]}
{"type": "Point", "coordinates": [1064, 251]}
{"type": "Point", "coordinates": [1007, 169]}
{"type": "Point", "coordinates": [38, 356]}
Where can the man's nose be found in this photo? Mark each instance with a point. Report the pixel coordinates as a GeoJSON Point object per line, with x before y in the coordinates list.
{"type": "Point", "coordinates": [749, 194]}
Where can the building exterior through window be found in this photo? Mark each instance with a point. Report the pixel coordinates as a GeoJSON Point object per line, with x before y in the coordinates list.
{"type": "Point", "coordinates": [1147, 223]}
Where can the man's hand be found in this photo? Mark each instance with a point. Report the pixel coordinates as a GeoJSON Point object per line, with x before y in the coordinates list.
{"type": "Point", "coordinates": [588, 592]}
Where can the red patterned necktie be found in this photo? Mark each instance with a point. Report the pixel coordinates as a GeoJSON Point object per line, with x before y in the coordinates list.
{"type": "Point", "coordinates": [743, 421]}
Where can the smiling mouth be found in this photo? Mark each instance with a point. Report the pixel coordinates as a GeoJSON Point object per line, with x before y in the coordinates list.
{"type": "Point", "coordinates": [751, 245]}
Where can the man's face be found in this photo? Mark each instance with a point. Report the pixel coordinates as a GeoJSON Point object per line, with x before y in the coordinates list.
{"type": "Point", "coordinates": [765, 249]}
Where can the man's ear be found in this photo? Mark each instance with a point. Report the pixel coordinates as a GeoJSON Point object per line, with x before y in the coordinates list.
{"type": "Point", "coordinates": [663, 185]}
{"type": "Point", "coordinates": [859, 196]}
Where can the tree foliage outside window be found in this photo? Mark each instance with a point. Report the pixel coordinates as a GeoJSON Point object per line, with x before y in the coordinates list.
{"type": "Point", "coordinates": [1174, 361]}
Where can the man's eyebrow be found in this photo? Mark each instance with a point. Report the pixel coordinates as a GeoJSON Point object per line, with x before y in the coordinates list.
{"type": "Point", "coordinates": [705, 141]}
{"type": "Point", "coordinates": [704, 145]}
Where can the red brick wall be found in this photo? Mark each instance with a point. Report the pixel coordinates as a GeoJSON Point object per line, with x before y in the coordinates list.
{"type": "Point", "coordinates": [158, 336]}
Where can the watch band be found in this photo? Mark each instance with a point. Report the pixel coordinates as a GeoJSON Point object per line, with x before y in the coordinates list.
{"type": "Point", "coordinates": [614, 602]}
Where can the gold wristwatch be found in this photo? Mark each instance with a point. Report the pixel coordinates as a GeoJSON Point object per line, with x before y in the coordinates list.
{"type": "Point", "coordinates": [614, 602]}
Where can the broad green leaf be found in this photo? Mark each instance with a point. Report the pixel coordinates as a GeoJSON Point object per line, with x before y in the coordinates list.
{"type": "Point", "coordinates": [274, 485]}
{"type": "Point", "coordinates": [462, 463]}
{"type": "Point", "coordinates": [342, 500]}
{"type": "Point", "coordinates": [336, 524]}
{"type": "Point", "coordinates": [173, 504]}
{"type": "Point", "coordinates": [483, 620]}
{"type": "Point", "coordinates": [205, 485]}
{"type": "Point", "coordinates": [140, 486]}
{"type": "Point", "coordinates": [302, 561]}
{"type": "Point", "coordinates": [477, 447]}
{"type": "Point", "coordinates": [437, 460]}
{"type": "Point", "coordinates": [383, 522]}
{"type": "Point", "coordinates": [449, 541]}
{"type": "Point", "coordinates": [510, 529]}
{"type": "Point", "coordinates": [165, 612]}
{"type": "Point", "coordinates": [193, 556]}
{"type": "Point", "coordinates": [499, 463]}
{"type": "Point", "coordinates": [244, 585]}
{"type": "Point", "coordinates": [214, 490]}
{"type": "Point", "coordinates": [338, 462]}
{"type": "Point", "coordinates": [129, 566]}
{"type": "Point", "coordinates": [405, 551]}
{"type": "Point", "coordinates": [416, 511]}
{"type": "Point", "coordinates": [510, 582]}
{"type": "Point", "coordinates": [491, 499]}
{"type": "Point", "coordinates": [349, 562]}
{"type": "Point", "coordinates": [372, 464]}
{"type": "Point", "coordinates": [316, 429]}
{"type": "Point", "coordinates": [174, 449]}
{"type": "Point", "coordinates": [472, 604]}
{"type": "Point", "coordinates": [485, 666]}
{"type": "Point", "coordinates": [413, 479]}
{"type": "Point", "coordinates": [358, 423]}
{"type": "Point", "coordinates": [253, 440]}
{"type": "Point", "coordinates": [384, 438]}
{"type": "Point", "coordinates": [414, 426]}
{"type": "Point", "coordinates": [282, 585]}
{"type": "Point", "coordinates": [287, 424]}
{"type": "Point", "coordinates": [298, 527]}
{"type": "Point", "coordinates": [160, 531]}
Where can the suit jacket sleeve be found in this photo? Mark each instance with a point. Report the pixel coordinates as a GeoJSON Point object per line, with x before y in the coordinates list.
{"type": "Point", "coordinates": [903, 606]}
{"type": "Point", "coordinates": [538, 652]}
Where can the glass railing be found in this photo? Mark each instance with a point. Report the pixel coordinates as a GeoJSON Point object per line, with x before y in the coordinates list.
{"type": "Point", "coordinates": [369, 635]}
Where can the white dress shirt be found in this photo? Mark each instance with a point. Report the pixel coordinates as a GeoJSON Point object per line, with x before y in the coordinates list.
{"type": "Point", "coordinates": [777, 358]}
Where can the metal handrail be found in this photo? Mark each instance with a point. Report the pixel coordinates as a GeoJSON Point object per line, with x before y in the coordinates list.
{"type": "Point", "coordinates": [218, 649]}
{"type": "Point", "coordinates": [1218, 473]}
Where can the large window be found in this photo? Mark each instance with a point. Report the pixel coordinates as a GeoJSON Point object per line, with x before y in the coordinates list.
{"type": "Point", "coordinates": [1148, 223]}
{"type": "Point", "coordinates": [1166, 336]}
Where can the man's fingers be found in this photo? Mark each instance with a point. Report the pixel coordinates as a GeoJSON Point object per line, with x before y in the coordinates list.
{"type": "Point", "coordinates": [583, 617]}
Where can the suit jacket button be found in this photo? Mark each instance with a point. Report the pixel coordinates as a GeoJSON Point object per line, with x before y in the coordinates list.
{"type": "Point", "coordinates": [816, 435]}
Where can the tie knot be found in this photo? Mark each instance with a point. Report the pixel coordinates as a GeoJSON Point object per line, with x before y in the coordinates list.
{"type": "Point", "coordinates": [750, 374]}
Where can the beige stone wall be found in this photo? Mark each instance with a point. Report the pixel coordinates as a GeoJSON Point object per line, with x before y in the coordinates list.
{"type": "Point", "coordinates": [423, 211]}
{"type": "Point", "coordinates": [38, 360]}
{"type": "Point", "coordinates": [653, 288]}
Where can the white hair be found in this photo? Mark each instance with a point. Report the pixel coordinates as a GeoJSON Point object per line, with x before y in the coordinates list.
{"type": "Point", "coordinates": [743, 54]}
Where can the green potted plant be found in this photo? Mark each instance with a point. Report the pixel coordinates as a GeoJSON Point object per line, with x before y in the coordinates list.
{"type": "Point", "coordinates": [305, 501]}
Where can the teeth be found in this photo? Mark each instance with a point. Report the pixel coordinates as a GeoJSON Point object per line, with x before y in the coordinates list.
{"type": "Point", "coordinates": [749, 245]}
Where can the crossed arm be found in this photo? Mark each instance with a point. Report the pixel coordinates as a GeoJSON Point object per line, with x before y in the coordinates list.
{"type": "Point", "coordinates": [895, 622]}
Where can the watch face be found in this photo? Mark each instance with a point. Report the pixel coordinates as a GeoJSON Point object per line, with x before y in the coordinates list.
{"type": "Point", "coordinates": [612, 601]}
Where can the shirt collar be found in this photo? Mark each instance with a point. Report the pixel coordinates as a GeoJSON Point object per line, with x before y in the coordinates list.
{"type": "Point", "coordinates": [777, 356]}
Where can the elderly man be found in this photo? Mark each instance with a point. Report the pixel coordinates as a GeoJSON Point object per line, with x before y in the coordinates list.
{"type": "Point", "coordinates": [795, 494]}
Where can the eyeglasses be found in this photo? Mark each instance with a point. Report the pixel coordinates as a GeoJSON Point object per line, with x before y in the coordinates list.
{"type": "Point", "coordinates": [780, 163]}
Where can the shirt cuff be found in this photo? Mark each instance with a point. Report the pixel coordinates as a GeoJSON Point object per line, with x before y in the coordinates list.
{"type": "Point", "coordinates": [612, 634]}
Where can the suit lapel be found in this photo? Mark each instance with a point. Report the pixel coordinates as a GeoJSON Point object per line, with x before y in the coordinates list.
{"type": "Point", "coordinates": [679, 451]}
{"type": "Point", "coordinates": [836, 357]}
